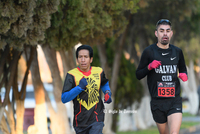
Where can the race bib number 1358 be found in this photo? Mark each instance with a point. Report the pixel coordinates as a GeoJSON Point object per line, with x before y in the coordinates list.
{"type": "Point", "coordinates": [166, 89]}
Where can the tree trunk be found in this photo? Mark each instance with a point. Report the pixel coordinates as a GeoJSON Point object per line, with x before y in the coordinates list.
{"type": "Point", "coordinates": [108, 116]}
{"type": "Point", "coordinates": [10, 119]}
{"type": "Point", "coordinates": [61, 113]}
{"type": "Point", "coordinates": [65, 62]}
{"type": "Point", "coordinates": [142, 119]}
{"type": "Point", "coordinates": [126, 120]}
{"type": "Point", "coordinates": [193, 86]}
{"type": "Point", "coordinates": [3, 58]}
{"type": "Point", "coordinates": [8, 77]}
{"type": "Point", "coordinates": [20, 116]}
{"type": "Point", "coordinates": [198, 73]}
{"type": "Point", "coordinates": [113, 81]}
{"type": "Point", "coordinates": [190, 89]}
{"type": "Point", "coordinates": [40, 118]}
{"type": "Point", "coordinates": [8, 80]}
{"type": "Point", "coordinates": [3, 123]}
{"type": "Point", "coordinates": [68, 60]}
{"type": "Point", "coordinates": [20, 95]}
{"type": "Point", "coordinates": [103, 58]}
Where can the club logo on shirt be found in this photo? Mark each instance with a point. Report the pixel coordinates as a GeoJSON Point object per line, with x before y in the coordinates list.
{"type": "Point", "coordinates": [166, 69]}
{"type": "Point", "coordinates": [96, 75]}
{"type": "Point", "coordinates": [92, 96]}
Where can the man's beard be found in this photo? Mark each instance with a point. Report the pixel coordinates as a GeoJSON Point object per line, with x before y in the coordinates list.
{"type": "Point", "coordinates": [165, 42]}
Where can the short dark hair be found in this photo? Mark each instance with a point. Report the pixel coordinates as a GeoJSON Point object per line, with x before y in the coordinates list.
{"type": "Point", "coordinates": [87, 47]}
{"type": "Point", "coordinates": [163, 22]}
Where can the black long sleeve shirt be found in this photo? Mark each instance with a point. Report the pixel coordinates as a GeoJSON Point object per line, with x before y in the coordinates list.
{"type": "Point", "coordinates": [172, 60]}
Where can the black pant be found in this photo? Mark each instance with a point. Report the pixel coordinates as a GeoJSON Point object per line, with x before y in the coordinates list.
{"type": "Point", "coordinates": [94, 128]}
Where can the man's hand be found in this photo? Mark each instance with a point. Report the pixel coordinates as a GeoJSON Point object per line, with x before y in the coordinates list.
{"type": "Point", "coordinates": [183, 76]}
{"type": "Point", "coordinates": [83, 83]}
{"type": "Point", "coordinates": [107, 97]}
{"type": "Point", "coordinates": [154, 64]}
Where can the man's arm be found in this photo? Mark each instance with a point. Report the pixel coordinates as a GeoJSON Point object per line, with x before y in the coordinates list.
{"type": "Point", "coordinates": [69, 90]}
{"type": "Point", "coordinates": [142, 69]}
{"type": "Point", "coordinates": [105, 88]}
{"type": "Point", "coordinates": [70, 95]}
{"type": "Point", "coordinates": [182, 67]}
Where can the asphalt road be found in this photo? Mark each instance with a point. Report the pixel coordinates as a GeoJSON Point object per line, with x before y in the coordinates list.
{"type": "Point", "coordinates": [192, 130]}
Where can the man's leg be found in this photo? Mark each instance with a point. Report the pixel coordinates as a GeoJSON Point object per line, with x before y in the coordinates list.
{"type": "Point", "coordinates": [163, 128]}
{"type": "Point", "coordinates": [174, 122]}
{"type": "Point", "coordinates": [96, 128]}
{"type": "Point", "coordinates": [160, 117]}
{"type": "Point", "coordinates": [79, 130]}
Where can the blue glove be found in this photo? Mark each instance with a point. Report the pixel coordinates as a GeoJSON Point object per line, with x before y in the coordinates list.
{"type": "Point", "coordinates": [107, 97]}
{"type": "Point", "coordinates": [83, 83]}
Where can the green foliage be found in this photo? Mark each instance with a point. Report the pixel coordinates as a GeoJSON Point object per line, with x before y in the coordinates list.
{"type": "Point", "coordinates": [96, 60]}
{"type": "Point", "coordinates": [87, 21]}
{"type": "Point", "coordinates": [25, 21]}
{"type": "Point", "coordinates": [129, 88]}
{"type": "Point", "coordinates": [131, 5]}
{"type": "Point", "coordinates": [190, 48]}
{"type": "Point", "coordinates": [110, 49]}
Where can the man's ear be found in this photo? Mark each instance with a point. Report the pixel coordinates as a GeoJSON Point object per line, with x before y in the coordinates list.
{"type": "Point", "coordinates": [77, 61]}
{"type": "Point", "coordinates": [172, 33]}
{"type": "Point", "coordinates": [156, 33]}
{"type": "Point", "coordinates": [91, 59]}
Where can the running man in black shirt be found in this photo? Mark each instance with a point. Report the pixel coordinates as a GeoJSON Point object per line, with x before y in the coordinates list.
{"type": "Point", "coordinates": [82, 85]}
{"type": "Point", "coordinates": [164, 63]}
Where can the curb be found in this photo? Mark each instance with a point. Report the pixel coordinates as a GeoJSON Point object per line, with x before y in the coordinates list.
{"type": "Point", "coordinates": [190, 129]}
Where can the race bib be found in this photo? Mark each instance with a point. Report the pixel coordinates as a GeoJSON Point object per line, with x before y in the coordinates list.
{"type": "Point", "coordinates": [166, 89]}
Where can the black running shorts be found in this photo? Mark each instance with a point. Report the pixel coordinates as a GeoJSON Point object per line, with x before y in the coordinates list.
{"type": "Point", "coordinates": [161, 108]}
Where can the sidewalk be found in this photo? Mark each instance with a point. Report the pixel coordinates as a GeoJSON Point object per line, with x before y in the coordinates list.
{"type": "Point", "coordinates": [193, 129]}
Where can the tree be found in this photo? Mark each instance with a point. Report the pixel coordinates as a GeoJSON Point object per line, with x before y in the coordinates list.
{"type": "Point", "coordinates": [22, 23]}
{"type": "Point", "coordinates": [61, 111]}
{"type": "Point", "coordinates": [8, 71]}
{"type": "Point", "coordinates": [40, 123]}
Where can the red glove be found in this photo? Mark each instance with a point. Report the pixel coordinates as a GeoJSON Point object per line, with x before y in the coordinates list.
{"type": "Point", "coordinates": [154, 64]}
{"type": "Point", "coordinates": [183, 76]}
{"type": "Point", "coordinates": [107, 97]}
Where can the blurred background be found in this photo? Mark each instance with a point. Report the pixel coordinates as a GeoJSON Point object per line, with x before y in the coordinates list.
{"type": "Point", "coordinates": [38, 39]}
